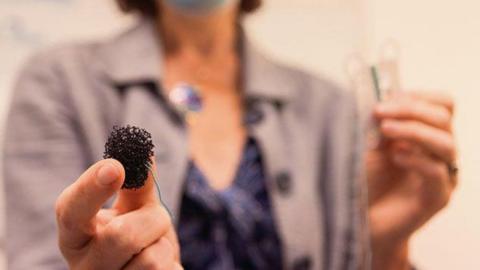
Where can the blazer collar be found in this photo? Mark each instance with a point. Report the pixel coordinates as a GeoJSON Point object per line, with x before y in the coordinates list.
{"type": "Point", "coordinates": [136, 56]}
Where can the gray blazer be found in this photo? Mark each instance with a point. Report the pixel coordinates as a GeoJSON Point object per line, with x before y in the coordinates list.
{"type": "Point", "coordinates": [66, 101]}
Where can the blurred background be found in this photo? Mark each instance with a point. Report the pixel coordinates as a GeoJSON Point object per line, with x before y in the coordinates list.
{"type": "Point", "coordinates": [440, 50]}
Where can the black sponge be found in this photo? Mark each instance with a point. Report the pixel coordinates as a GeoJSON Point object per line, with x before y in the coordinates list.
{"type": "Point", "coordinates": [133, 147]}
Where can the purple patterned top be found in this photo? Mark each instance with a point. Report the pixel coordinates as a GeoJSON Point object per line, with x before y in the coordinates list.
{"type": "Point", "coordinates": [233, 228]}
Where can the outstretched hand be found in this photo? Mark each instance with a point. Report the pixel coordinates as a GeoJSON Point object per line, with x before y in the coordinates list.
{"type": "Point", "coordinates": [136, 233]}
{"type": "Point", "coordinates": [411, 173]}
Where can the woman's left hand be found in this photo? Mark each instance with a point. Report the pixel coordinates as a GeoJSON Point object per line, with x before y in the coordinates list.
{"type": "Point", "coordinates": [411, 172]}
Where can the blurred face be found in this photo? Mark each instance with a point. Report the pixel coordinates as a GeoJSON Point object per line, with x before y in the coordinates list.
{"type": "Point", "coordinates": [199, 6]}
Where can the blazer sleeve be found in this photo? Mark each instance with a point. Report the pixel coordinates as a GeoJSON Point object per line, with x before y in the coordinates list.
{"type": "Point", "coordinates": [361, 246]}
{"type": "Point", "coordinates": [42, 155]}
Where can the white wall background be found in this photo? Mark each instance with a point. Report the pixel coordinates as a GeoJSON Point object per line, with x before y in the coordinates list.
{"type": "Point", "coordinates": [440, 49]}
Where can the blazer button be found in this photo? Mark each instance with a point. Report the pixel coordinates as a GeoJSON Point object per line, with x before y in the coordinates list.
{"type": "Point", "coordinates": [284, 182]}
{"type": "Point", "coordinates": [303, 263]}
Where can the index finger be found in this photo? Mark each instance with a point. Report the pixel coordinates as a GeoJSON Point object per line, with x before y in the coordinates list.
{"type": "Point", "coordinates": [437, 98]}
{"type": "Point", "coordinates": [132, 199]}
{"type": "Point", "coordinates": [79, 203]}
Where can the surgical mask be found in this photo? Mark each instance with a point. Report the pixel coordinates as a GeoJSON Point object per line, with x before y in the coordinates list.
{"type": "Point", "coordinates": [198, 6]}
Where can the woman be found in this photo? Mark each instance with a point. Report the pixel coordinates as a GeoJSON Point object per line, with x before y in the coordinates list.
{"type": "Point", "coordinates": [263, 177]}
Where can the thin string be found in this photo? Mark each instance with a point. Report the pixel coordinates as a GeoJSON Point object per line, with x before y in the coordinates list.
{"type": "Point", "coordinates": [154, 174]}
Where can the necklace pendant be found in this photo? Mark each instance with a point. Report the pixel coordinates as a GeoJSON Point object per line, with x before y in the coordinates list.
{"type": "Point", "coordinates": [186, 98]}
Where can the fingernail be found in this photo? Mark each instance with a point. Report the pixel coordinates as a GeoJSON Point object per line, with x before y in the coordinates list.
{"type": "Point", "coordinates": [396, 93]}
{"type": "Point", "coordinates": [385, 108]}
{"type": "Point", "coordinates": [107, 174]}
{"type": "Point", "coordinates": [380, 108]}
{"type": "Point", "coordinates": [388, 125]}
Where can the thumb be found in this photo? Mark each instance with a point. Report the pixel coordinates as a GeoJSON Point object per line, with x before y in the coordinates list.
{"type": "Point", "coordinates": [79, 203]}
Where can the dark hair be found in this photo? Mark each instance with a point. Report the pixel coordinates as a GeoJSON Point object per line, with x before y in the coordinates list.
{"type": "Point", "coordinates": [149, 7]}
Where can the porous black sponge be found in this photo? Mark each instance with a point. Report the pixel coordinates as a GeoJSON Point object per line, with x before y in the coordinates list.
{"type": "Point", "coordinates": [133, 147]}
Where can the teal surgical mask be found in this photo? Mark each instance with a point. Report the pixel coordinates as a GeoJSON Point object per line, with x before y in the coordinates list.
{"type": "Point", "coordinates": [198, 6]}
